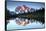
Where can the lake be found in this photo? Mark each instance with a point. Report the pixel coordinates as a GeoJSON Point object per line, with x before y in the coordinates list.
{"type": "Point", "coordinates": [32, 24]}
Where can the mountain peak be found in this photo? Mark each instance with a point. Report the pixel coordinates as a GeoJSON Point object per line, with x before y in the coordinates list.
{"type": "Point", "coordinates": [23, 7]}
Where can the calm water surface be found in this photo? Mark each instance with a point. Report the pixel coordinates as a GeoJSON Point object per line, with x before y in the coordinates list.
{"type": "Point", "coordinates": [32, 24]}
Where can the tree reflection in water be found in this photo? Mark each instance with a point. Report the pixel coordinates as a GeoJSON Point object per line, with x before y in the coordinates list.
{"type": "Point", "coordinates": [24, 21]}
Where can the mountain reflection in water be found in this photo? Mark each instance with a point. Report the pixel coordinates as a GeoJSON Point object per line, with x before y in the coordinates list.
{"type": "Point", "coordinates": [23, 23]}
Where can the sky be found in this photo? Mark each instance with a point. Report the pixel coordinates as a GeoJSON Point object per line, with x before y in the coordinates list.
{"type": "Point", "coordinates": [11, 5]}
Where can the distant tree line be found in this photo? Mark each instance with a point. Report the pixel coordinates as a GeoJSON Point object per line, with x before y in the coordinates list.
{"type": "Point", "coordinates": [38, 14]}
